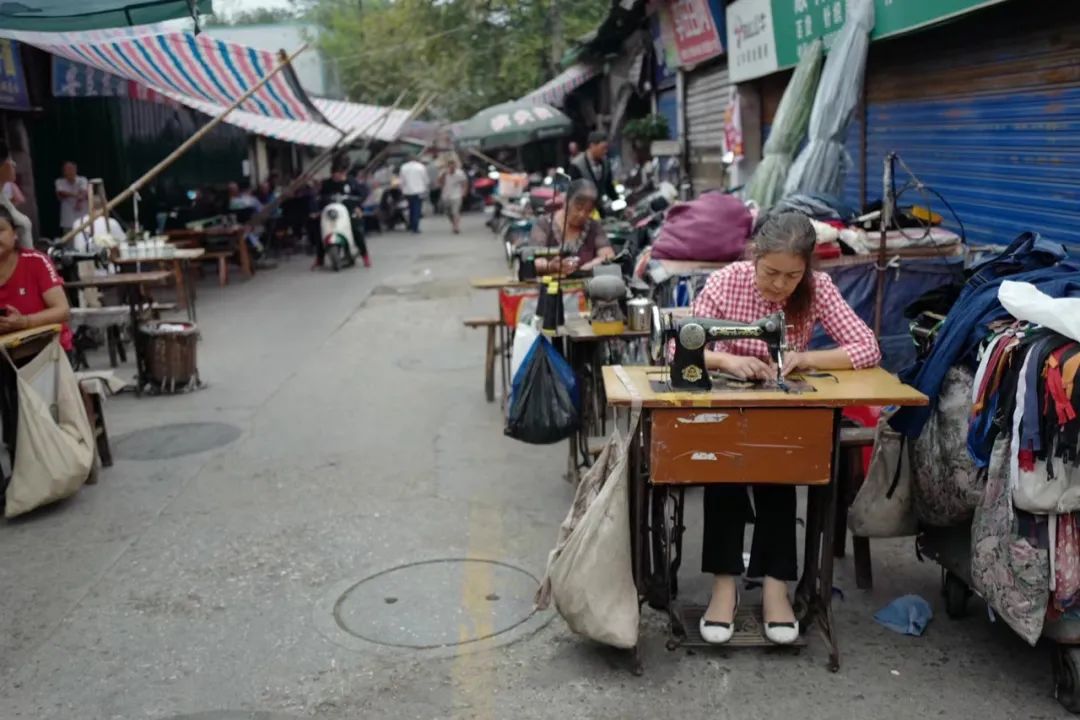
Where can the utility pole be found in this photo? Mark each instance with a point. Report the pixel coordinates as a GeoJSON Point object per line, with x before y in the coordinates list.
{"type": "Point", "coordinates": [558, 47]}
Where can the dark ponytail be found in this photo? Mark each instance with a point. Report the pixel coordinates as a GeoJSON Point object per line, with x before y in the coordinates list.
{"type": "Point", "coordinates": [790, 232]}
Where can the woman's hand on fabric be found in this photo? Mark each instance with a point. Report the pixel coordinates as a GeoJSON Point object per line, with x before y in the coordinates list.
{"type": "Point", "coordinates": [13, 321]}
{"type": "Point", "coordinates": [746, 367]}
{"type": "Point", "coordinates": [796, 361]}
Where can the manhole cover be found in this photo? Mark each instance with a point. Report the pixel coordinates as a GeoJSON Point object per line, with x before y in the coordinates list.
{"type": "Point", "coordinates": [437, 603]}
{"type": "Point", "coordinates": [169, 441]}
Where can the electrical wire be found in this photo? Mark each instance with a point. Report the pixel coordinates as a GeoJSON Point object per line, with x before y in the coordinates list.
{"type": "Point", "coordinates": [376, 52]}
{"type": "Point", "coordinates": [924, 191]}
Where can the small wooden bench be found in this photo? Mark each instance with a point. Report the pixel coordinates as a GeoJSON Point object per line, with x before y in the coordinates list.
{"type": "Point", "coordinates": [222, 257]}
{"type": "Point", "coordinates": [96, 415]}
{"type": "Point", "coordinates": [492, 324]}
{"type": "Point", "coordinates": [853, 440]}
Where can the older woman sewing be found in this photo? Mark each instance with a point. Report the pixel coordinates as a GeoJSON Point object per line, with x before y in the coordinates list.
{"type": "Point", "coordinates": [584, 240]}
{"type": "Point", "coordinates": [778, 278]}
{"type": "Point", "coordinates": [31, 291]}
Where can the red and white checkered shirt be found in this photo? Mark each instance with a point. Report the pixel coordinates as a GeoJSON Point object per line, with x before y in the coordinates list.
{"type": "Point", "coordinates": [732, 294]}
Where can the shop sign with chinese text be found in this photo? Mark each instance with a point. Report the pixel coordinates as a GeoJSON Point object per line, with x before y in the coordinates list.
{"type": "Point", "coordinates": [764, 36]}
{"type": "Point", "coordinates": [698, 28]}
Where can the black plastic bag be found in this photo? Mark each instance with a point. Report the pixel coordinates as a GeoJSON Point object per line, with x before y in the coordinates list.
{"type": "Point", "coordinates": [544, 401]}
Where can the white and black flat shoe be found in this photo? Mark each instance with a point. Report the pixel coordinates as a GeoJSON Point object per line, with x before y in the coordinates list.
{"type": "Point", "coordinates": [718, 633]}
{"type": "Point", "coordinates": [782, 633]}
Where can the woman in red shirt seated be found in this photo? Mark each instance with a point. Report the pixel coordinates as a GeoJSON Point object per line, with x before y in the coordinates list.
{"type": "Point", "coordinates": [31, 292]}
{"type": "Point", "coordinates": [778, 278]}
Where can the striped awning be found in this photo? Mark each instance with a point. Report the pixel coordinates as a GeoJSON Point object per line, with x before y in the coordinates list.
{"type": "Point", "coordinates": [554, 91]}
{"type": "Point", "coordinates": [183, 64]}
{"type": "Point", "coordinates": [356, 122]}
{"type": "Point", "coordinates": [348, 121]}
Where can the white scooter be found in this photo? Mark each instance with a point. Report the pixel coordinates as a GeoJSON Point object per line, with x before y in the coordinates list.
{"type": "Point", "coordinates": [336, 229]}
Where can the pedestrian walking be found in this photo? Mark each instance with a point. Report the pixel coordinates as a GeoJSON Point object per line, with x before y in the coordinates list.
{"type": "Point", "coordinates": [414, 185]}
{"type": "Point", "coordinates": [455, 186]}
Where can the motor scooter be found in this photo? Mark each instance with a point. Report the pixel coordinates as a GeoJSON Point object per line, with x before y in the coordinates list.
{"type": "Point", "coordinates": [337, 230]}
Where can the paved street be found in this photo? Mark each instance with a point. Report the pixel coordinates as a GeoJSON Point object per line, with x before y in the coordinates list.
{"type": "Point", "coordinates": [240, 566]}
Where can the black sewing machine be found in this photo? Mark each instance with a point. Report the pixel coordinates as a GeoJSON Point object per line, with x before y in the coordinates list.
{"type": "Point", "coordinates": [692, 334]}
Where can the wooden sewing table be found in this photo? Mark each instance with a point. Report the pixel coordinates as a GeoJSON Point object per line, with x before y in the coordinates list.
{"type": "Point", "coordinates": [749, 436]}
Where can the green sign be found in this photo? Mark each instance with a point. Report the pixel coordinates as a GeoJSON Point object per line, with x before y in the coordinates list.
{"type": "Point", "coordinates": [767, 35]}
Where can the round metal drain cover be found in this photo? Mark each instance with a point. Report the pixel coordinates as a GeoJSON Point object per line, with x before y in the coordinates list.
{"type": "Point", "coordinates": [170, 441]}
{"type": "Point", "coordinates": [437, 603]}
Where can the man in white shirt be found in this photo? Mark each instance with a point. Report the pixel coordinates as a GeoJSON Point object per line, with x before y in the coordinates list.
{"type": "Point", "coordinates": [71, 192]}
{"type": "Point", "coordinates": [455, 185]}
{"type": "Point", "coordinates": [414, 186]}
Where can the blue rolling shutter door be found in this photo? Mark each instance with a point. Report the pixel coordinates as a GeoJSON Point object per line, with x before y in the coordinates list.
{"type": "Point", "coordinates": [987, 112]}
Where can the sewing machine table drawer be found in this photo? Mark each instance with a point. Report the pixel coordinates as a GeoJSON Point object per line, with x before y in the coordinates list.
{"type": "Point", "coordinates": [789, 446]}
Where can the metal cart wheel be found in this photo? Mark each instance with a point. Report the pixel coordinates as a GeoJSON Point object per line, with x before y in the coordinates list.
{"type": "Point", "coordinates": [1066, 660]}
{"type": "Point", "coordinates": [956, 594]}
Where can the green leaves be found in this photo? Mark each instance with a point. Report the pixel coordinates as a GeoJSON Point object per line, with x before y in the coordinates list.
{"type": "Point", "coordinates": [473, 53]}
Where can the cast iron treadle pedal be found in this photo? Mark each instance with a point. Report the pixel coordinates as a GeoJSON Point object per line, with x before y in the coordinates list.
{"type": "Point", "coordinates": [749, 629]}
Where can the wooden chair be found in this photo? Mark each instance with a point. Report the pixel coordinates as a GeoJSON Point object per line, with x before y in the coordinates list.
{"type": "Point", "coordinates": [853, 440]}
{"type": "Point", "coordinates": [492, 324]}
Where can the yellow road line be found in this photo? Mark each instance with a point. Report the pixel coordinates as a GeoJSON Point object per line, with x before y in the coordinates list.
{"type": "Point", "coordinates": [474, 681]}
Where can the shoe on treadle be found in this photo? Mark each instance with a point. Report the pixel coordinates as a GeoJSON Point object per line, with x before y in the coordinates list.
{"type": "Point", "coordinates": [782, 633]}
{"type": "Point", "coordinates": [718, 633]}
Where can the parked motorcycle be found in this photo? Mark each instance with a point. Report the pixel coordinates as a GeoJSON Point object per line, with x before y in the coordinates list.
{"type": "Point", "coordinates": [336, 229]}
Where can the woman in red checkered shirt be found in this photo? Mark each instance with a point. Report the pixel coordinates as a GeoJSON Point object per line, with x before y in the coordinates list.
{"type": "Point", "coordinates": [778, 278]}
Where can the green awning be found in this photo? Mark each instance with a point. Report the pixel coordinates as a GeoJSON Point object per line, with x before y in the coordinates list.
{"type": "Point", "coordinates": [67, 16]}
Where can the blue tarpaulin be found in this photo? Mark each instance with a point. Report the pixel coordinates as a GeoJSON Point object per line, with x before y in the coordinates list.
{"type": "Point", "coordinates": [903, 285]}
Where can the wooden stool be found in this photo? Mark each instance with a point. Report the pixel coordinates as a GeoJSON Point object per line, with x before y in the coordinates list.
{"type": "Point", "coordinates": [850, 475]}
{"type": "Point", "coordinates": [492, 325]}
{"type": "Point", "coordinates": [222, 257]}
{"type": "Point", "coordinates": [96, 415]}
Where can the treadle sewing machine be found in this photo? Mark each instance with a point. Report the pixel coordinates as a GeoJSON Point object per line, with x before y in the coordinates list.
{"type": "Point", "coordinates": [692, 335]}
{"type": "Point", "coordinates": [692, 432]}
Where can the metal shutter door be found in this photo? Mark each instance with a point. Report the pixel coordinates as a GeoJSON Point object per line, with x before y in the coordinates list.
{"type": "Point", "coordinates": [707, 94]}
{"type": "Point", "coordinates": [990, 119]}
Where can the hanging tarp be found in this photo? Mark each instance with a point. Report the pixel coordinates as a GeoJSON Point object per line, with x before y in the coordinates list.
{"type": "Point", "coordinates": [181, 63]}
{"type": "Point", "coordinates": [555, 91]}
{"type": "Point", "coordinates": [823, 164]}
{"type": "Point", "coordinates": [766, 186]}
{"type": "Point", "coordinates": [81, 15]}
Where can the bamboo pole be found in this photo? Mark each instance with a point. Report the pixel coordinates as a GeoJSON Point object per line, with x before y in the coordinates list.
{"type": "Point", "coordinates": [421, 105]}
{"type": "Point", "coordinates": [492, 161]}
{"type": "Point", "coordinates": [320, 160]}
{"type": "Point", "coordinates": [187, 144]}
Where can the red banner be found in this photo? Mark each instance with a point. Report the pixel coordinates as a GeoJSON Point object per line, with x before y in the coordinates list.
{"type": "Point", "coordinates": [697, 37]}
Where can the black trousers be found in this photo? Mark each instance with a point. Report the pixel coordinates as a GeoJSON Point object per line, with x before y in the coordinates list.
{"type": "Point", "coordinates": [772, 552]}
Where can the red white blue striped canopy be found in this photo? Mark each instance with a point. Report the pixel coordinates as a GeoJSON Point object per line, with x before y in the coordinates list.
{"type": "Point", "coordinates": [554, 91]}
{"type": "Point", "coordinates": [355, 120]}
{"type": "Point", "coordinates": [183, 64]}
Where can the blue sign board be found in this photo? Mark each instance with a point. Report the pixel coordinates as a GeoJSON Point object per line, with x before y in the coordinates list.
{"type": "Point", "coordinates": [13, 95]}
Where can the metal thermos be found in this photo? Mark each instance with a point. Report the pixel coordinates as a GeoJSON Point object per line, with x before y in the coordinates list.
{"type": "Point", "coordinates": [639, 314]}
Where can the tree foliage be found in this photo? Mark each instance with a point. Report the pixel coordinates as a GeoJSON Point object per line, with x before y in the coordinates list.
{"type": "Point", "coordinates": [258, 16]}
{"type": "Point", "coordinates": [471, 53]}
